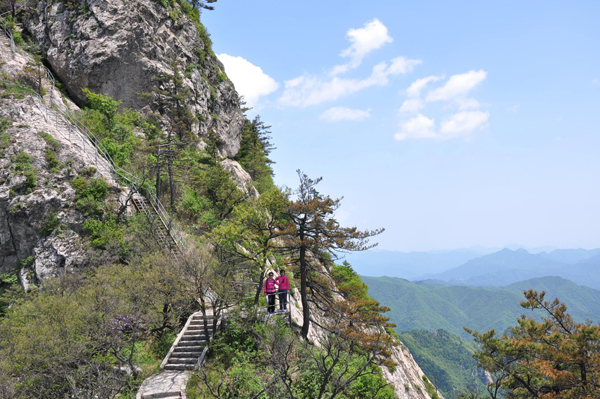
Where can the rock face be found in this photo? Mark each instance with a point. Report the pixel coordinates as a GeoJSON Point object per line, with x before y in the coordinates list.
{"type": "Point", "coordinates": [123, 48]}
{"type": "Point", "coordinates": [39, 225]}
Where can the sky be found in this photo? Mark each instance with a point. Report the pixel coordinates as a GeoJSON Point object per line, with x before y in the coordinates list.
{"type": "Point", "coordinates": [450, 124]}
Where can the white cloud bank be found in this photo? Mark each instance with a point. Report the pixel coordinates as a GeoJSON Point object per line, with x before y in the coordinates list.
{"type": "Point", "coordinates": [454, 92]}
{"type": "Point", "coordinates": [457, 125]}
{"type": "Point", "coordinates": [250, 81]}
{"type": "Point", "coordinates": [457, 85]}
{"type": "Point", "coordinates": [337, 114]}
{"type": "Point", "coordinates": [308, 90]}
{"type": "Point", "coordinates": [372, 36]}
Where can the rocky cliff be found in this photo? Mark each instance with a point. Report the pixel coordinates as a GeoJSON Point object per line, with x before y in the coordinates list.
{"type": "Point", "coordinates": [134, 51]}
{"type": "Point", "coordinates": [39, 224]}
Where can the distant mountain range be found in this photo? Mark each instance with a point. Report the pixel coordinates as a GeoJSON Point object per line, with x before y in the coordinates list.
{"type": "Point", "coordinates": [410, 265]}
{"type": "Point", "coordinates": [479, 266]}
{"type": "Point", "coordinates": [427, 306]}
{"type": "Point", "coordinates": [506, 267]}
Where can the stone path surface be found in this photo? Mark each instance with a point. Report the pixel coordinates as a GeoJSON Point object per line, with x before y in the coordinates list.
{"type": "Point", "coordinates": [165, 385]}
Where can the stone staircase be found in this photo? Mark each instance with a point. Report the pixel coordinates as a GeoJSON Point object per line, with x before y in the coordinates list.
{"type": "Point", "coordinates": [191, 345]}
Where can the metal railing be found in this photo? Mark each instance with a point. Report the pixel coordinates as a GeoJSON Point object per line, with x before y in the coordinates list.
{"type": "Point", "coordinates": [76, 127]}
{"type": "Point", "coordinates": [8, 34]}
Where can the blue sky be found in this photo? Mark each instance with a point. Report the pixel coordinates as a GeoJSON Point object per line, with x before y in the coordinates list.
{"type": "Point", "coordinates": [450, 124]}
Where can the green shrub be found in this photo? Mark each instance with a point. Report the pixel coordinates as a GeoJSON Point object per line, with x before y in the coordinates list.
{"type": "Point", "coordinates": [22, 162]}
{"type": "Point", "coordinates": [18, 38]}
{"type": "Point", "coordinates": [90, 195]}
{"type": "Point", "coordinates": [51, 224]}
{"type": "Point", "coordinates": [50, 140]}
{"type": "Point", "coordinates": [51, 159]}
{"type": "Point", "coordinates": [27, 262]}
{"type": "Point", "coordinates": [8, 278]}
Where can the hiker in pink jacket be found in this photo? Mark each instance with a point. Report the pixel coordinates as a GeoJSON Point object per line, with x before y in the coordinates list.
{"type": "Point", "coordinates": [270, 291]}
{"type": "Point", "coordinates": [283, 283]}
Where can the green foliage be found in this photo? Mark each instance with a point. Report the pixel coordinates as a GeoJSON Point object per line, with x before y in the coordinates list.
{"type": "Point", "coordinates": [552, 358]}
{"type": "Point", "coordinates": [50, 224]}
{"type": "Point", "coordinates": [198, 209]}
{"type": "Point", "coordinates": [254, 153]}
{"type": "Point", "coordinates": [27, 262]}
{"type": "Point", "coordinates": [4, 136]}
{"type": "Point", "coordinates": [349, 282]}
{"type": "Point", "coordinates": [22, 162]}
{"type": "Point", "coordinates": [18, 38]}
{"type": "Point", "coordinates": [50, 140]}
{"type": "Point", "coordinates": [51, 157]}
{"type": "Point", "coordinates": [431, 390]}
{"type": "Point", "coordinates": [11, 88]}
{"type": "Point", "coordinates": [104, 232]}
{"type": "Point", "coordinates": [431, 307]}
{"type": "Point", "coordinates": [90, 195]}
{"type": "Point", "coordinates": [8, 278]}
{"type": "Point", "coordinates": [68, 339]}
{"type": "Point", "coordinates": [215, 185]}
{"type": "Point", "coordinates": [104, 104]}
{"type": "Point", "coordinates": [446, 359]}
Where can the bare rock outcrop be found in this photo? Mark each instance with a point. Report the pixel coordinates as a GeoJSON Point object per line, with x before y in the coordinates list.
{"type": "Point", "coordinates": [122, 48]}
{"type": "Point", "coordinates": [39, 224]}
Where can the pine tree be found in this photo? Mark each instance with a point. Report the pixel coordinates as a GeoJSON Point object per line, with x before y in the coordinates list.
{"type": "Point", "coordinates": [550, 359]}
{"type": "Point", "coordinates": [314, 237]}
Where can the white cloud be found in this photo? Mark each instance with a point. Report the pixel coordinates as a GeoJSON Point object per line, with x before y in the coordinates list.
{"type": "Point", "coordinates": [453, 93]}
{"type": "Point", "coordinates": [457, 85]}
{"type": "Point", "coordinates": [415, 88]}
{"type": "Point", "coordinates": [513, 109]}
{"type": "Point", "coordinates": [250, 81]}
{"type": "Point", "coordinates": [337, 114]}
{"type": "Point", "coordinates": [467, 103]}
{"type": "Point", "coordinates": [310, 90]}
{"type": "Point", "coordinates": [463, 122]}
{"type": "Point", "coordinates": [418, 127]}
{"type": "Point", "coordinates": [372, 36]}
{"type": "Point", "coordinates": [402, 65]}
{"type": "Point", "coordinates": [596, 81]}
{"type": "Point", "coordinates": [457, 125]}
{"type": "Point", "coordinates": [412, 105]}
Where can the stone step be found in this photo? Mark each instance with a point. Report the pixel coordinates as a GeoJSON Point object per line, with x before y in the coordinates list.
{"type": "Point", "coordinates": [182, 360]}
{"type": "Point", "coordinates": [191, 343]}
{"type": "Point", "coordinates": [188, 348]}
{"type": "Point", "coordinates": [162, 395]}
{"type": "Point", "coordinates": [193, 337]}
{"type": "Point", "coordinates": [198, 326]}
{"type": "Point", "coordinates": [178, 367]}
{"type": "Point", "coordinates": [200, 323]}
{"type": "Point", "coordinates": [186, 354]}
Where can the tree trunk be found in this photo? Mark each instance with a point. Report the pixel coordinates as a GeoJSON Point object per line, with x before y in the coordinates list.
{"type": "Point", "coordinates": [303, 293]}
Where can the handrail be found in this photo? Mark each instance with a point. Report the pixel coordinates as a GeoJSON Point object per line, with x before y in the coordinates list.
{"type": "Point", "coordinates": [8, 34]}
{"type": "Point", "coordinates": [135, 184]}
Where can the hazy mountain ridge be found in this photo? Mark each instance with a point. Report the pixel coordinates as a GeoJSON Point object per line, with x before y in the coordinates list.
{"type": "Point", "coordinates": [506, 267]}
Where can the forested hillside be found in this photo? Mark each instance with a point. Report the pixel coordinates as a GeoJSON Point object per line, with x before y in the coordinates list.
{"type": "Point", "coordinates": [430, 319]}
